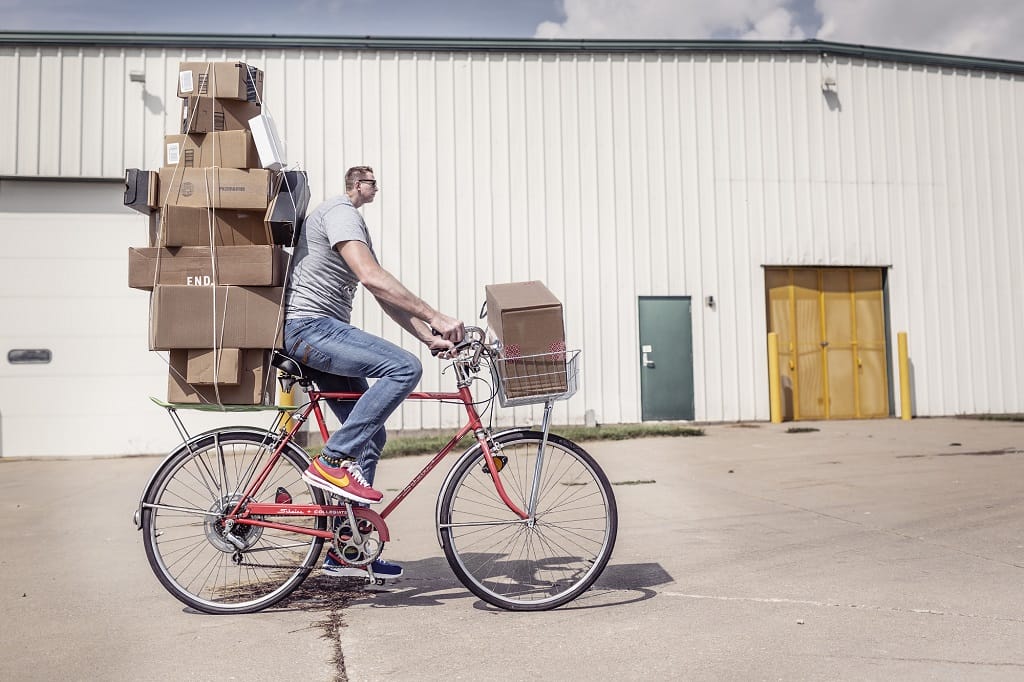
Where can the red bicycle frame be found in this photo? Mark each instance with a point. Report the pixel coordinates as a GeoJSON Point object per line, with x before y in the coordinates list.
{"type": "Point", "coordinates": [257, 509]}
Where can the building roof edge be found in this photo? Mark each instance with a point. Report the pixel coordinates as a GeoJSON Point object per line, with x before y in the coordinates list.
{"type": "Point", "coordinates": [535, 45]}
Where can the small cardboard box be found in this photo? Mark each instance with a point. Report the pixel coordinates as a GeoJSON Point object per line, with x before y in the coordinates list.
{"type": "Point", "coordinates": [288, 208]}
{"type": "Point", "coordinates": [184, 316]}
{"type": "Point", "coordinates": [255, 384]}
{"type": "Point", "coordinates": [141, 190]}
{"type": "Point", "coordinates": [230, 80]}
{"type": "Point", "coordinates": [230, 149]}
{"type": "Point", "coordinates": [246, 190]}
{"type": "Point", "coordinates": [254, 266]}
{"type": "Point", "coordinates": [209, 367]}
{"type": "Point", "coordinates": [209, 115]}
{"type": "Point", "coordinates": [190, 226]}
{"type": "Point", "coordinates": [528, 320]}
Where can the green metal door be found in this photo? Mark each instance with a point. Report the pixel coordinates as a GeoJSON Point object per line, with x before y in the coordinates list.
{"type": "Point", "coordinates": [666, 358]}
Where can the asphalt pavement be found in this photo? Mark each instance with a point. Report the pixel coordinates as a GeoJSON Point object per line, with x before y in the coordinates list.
{"type": "Point", "coordinates": [868, 550]}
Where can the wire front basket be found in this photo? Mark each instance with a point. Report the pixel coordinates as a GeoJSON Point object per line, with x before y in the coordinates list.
{"type": "Point", "coordinates": [531, 379]}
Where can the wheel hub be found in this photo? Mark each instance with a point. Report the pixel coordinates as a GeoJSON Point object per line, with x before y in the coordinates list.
{"type": "Point", "coordinates": [214, 526]}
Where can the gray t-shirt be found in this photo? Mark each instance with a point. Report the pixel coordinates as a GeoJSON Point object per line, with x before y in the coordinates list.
{"type": "Point", "coordinates": [321, 283]}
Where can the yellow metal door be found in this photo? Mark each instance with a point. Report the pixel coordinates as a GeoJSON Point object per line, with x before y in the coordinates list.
{"type": "Point", "coordinates": [831, 328]}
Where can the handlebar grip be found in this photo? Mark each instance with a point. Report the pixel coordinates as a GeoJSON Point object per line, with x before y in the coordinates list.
{"type": "Point", "coordinates": [434, 352]}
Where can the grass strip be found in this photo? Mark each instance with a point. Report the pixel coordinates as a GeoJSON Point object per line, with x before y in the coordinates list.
{"type": "Point", "coordinates": [429, 443]}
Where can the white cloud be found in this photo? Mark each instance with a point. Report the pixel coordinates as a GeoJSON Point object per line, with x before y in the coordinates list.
{"type": "Point", "coordinates": [778, 24]}
{"type": "Point", "coordinates": [680, 19]}
{"type": "Point", "coordinates": [985, 28]}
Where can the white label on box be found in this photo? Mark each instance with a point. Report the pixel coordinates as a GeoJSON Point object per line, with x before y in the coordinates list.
{"type": "Point", "coordinates": [185, 81]}
{"type": "Point", "coordinates": [173, 152]}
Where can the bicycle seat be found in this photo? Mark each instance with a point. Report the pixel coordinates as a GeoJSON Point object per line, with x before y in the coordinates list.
{"type": "Point", "coordinates": [291, 371]}
{"type": "Point", "coordinates": [286, 364]}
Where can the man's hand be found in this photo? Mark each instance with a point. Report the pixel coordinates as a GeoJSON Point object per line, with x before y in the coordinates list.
{"type": "Point", "coordinates": [440, 347]}
{"type": "Point", "coordinates": [449, 328]}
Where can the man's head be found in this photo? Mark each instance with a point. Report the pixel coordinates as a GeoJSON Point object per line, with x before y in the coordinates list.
{"type": "Point", "coordinates": [360, 185]}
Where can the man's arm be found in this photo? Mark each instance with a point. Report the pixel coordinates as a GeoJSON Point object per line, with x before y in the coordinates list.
{"type": "Point", "coordinates": [396, 300]}
{"type": "Point", "coordinates": [407, 322]}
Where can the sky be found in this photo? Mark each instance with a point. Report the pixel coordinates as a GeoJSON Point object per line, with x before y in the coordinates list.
{"type": "Point", "coordinates": [981, 28]}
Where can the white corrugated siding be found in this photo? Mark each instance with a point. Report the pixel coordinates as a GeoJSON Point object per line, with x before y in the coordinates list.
{"type": "Point", "coordinates": [613, 176]}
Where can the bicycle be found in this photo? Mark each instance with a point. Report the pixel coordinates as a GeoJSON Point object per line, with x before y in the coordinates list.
{"type": "Point", "coordinates": [527, 519]}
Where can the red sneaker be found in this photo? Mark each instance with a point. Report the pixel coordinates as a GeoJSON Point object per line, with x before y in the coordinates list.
{"type": "Point", "coordinates": [345, 480]}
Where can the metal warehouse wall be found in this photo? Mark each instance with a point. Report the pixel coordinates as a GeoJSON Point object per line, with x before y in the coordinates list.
{"type": "Point", "coordinates": [612, 176]}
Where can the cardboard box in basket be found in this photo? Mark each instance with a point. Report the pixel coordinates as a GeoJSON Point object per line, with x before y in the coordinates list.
{"type": "Point", "coordinates": [230, 149]}
{"type": "Point", "coordinates": [209, 115]}
{"type": "Point", "coordinates": [227, 80]}
{"type": "Point", "coordinates": [528, 320]}
{"type": "Point", "coordinates": [246, 190]}
{"type": "Point", "coordinates": [255, 385]}
{"type": "Point", "coordinates": [215, 317]}
{"type": "Point", "coordinates": [254, 266]}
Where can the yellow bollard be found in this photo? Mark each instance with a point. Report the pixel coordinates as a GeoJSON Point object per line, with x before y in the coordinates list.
{"type": "Point", "coordinates": [904, 376]}
{"type": "Point", "coordinates": [774, 379]}
{"type": "Point", "coordinates": [287, 399]}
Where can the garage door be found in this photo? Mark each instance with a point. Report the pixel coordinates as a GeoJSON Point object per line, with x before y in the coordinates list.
{"type": "Point", "coordinates": [832, 341]}
{"type": "Point", "coordinates": [64, 294]}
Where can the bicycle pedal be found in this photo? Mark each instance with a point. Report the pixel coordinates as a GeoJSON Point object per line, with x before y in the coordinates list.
{"type": "Point", "coordinates": [499, 462]}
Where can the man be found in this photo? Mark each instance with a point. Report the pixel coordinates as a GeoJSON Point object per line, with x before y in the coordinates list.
{"type": "Point", "coordinates": [333, 256]}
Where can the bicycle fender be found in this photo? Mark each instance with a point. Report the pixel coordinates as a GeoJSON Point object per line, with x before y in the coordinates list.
{"type": "Point", "coordinates": [137, 516]}
{"type": "Point", "coordinates": [499, 437]}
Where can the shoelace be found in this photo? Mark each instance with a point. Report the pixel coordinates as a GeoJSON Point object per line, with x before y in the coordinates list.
{"type": "Point", "coordinates": [355, 472]}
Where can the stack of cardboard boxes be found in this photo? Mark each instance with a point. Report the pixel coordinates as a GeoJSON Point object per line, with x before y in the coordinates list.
{"type": "Point", "coordinates": [222, 213]}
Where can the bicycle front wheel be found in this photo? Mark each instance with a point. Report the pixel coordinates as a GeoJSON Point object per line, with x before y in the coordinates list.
{"type": "Point", "coordinates": [248, 568]}
{"type": "Point", "coordinates": [513, 563]}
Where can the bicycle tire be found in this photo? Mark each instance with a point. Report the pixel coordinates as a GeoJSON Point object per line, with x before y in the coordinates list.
{"type": "Point", "coordinates": [185, 549]}
{"type": "Point", "coordinates": [509, 563]}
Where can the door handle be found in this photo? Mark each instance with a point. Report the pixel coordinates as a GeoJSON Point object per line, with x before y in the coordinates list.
{"type": "Point", "coordinates": [646, 350]}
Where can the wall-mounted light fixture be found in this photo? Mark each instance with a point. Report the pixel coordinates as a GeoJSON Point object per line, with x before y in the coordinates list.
{"type": "Point", "coordinates": [137, 76]}
{"type": "Point", "coordinates": [828, 73]}
{"type": "Point", "coordinates": [709, 301]}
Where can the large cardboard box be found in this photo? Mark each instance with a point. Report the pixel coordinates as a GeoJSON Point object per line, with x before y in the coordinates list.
{"type": "Point", "coordinates": [230, 80]}
{"type": "Point", "coordinates": [528, 320]}
{"type": "Point", "coordinates": [141, 190]}
{"type": "Point", "coordinates": [256, 385]}
{"type": "Point", "coordinates": [254, 266]}
{"type": "Point", "coordinates": [183, 316]}
{"type": "Point", "coordinates": [191, 226]}
{"type": "Point", "coordinates": [234, 188]}
{"type": "Point", "coordinates": [209, 367]}
{"type": "Point", "coordinates": [230, 149]}
{"type": "Point", "coordinates": [209, 115]}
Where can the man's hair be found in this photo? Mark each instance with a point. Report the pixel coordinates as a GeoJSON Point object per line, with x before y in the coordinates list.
{"type": "Point", "coordinates": [354, 175]}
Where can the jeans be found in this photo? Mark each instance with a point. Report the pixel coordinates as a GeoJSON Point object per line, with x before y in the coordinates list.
{"type": "Point", "coordinates": [342, 358]}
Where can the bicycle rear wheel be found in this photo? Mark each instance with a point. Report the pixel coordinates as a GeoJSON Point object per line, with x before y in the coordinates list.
{"type": "Point", "coordinates": [192, 557]}
{"type": "Point", "coordinates": [510, 563]}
